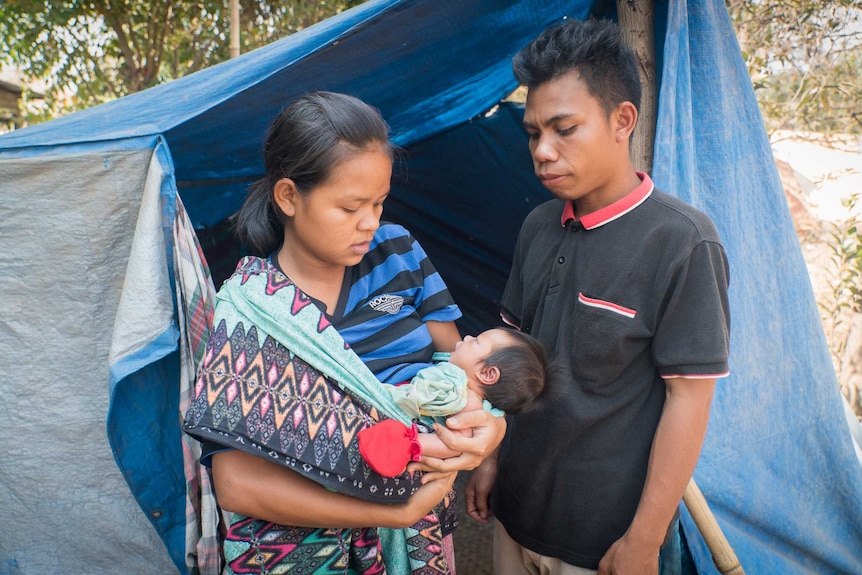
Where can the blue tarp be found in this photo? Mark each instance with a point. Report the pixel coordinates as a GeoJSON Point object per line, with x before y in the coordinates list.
{"type": "Point", "coordinates": [778, 467]}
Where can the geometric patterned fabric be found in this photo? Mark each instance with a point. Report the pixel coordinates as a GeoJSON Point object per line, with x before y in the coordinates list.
{"type": "Point", "coordinates": [258, 391]}
{"type": "Point", "coordinates": [278, 381]}
{"type": "Point", "coordinates": [255, 546]}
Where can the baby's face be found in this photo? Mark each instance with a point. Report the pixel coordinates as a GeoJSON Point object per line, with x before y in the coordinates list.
{"type": "Point", "coordinates": [473, 350]}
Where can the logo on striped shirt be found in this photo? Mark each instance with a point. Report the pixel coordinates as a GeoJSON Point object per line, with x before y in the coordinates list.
{"type": "Point", "coordinates": [388, 303]}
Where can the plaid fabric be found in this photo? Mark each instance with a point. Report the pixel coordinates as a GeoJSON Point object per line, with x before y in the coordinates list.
{"type": "Point", "coordinates": [196, 302]}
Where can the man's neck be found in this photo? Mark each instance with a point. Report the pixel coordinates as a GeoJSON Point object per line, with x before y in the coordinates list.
{"type": "Point", "coordinates": [612, 192]}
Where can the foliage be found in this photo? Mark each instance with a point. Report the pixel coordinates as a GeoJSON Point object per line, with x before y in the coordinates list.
{"type": "Point", "coordinates": [802, 56]}
{"type": "Point", "coordinates": [844, 297]}
{"type": "Point", "coordinates": [95, 51]}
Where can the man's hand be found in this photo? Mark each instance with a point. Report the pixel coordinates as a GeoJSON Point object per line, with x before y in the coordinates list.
{"type": "Point", "coordinates": [488, 432]}
{"type": "Point", "coordinates": [478, 492]}
{"type": "Point", "coordinates": [626, 557]}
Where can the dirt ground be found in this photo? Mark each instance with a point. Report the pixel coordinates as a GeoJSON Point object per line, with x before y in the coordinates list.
{"type": "Point", "coordinates": [473, 540]}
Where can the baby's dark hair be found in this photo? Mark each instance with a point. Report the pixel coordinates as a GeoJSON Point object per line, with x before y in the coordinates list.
{"type": "Point", "coordinates": [593, 48]}
{"type": "Point", "coordinates": [523, 366]}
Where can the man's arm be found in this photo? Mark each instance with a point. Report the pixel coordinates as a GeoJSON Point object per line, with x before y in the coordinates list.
{"type": "Point", "coordinates": [478, 492]}
{"type": "Point", "coordinates": [675, 450]}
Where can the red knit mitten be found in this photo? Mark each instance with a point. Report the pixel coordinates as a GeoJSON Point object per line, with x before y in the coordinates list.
{"type": "Point", "coordinates": [389, 446]}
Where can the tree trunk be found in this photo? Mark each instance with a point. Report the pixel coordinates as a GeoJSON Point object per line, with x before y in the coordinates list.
{"type": "Point", "coordinates": [636, 19]}
{"type": "Point", "coordinates": [234, 28]}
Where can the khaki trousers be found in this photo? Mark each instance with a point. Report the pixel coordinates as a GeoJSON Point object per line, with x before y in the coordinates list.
{"type": "Point", "coordinates": [510, 558]}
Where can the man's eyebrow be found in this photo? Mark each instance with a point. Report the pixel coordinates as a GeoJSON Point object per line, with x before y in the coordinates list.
{"type": "Point", "coordinates": [549, 121]}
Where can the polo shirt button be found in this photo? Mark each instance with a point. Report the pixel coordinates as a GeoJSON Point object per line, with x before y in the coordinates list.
{"type": "Point", "coordinates": [561, 260]}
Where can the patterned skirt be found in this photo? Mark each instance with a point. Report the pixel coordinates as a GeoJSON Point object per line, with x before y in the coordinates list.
{"type": "Point", "coordinates": [263, 548]}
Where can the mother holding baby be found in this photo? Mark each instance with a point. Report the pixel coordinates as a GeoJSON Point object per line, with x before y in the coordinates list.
{"type": "Point", "coordinates": [331, 292]}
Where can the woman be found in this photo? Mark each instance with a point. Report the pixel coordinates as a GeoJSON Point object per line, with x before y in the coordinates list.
{"type": "Point", "coordinates": [316, 218]}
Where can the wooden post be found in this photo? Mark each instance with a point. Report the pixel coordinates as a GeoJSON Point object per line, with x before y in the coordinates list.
{"type": "Point", "coordinates": [636, 19]}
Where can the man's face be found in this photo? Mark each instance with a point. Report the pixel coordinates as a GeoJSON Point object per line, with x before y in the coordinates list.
{"type": "Point", "coordinates": [573, 142]}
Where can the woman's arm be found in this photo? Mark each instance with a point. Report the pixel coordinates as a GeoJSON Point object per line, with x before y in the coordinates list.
{"type": "Point", "coordinates": [444, 334]}
{"type": "Point", "coordinates": [252, 486]}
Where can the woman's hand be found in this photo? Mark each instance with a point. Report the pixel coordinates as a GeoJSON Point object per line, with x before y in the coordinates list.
{"type": "Point", "coordinates": [488, 432]}
{"type": "Point", "coordinates": [422, 501]}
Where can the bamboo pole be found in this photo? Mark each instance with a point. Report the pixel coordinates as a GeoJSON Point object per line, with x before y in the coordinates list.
{"type": "Point", "coordinates": [722, 553]}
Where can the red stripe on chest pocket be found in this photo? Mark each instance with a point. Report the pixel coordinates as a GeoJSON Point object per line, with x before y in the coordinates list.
{"type": "Point", "coordinates": [610, 306]}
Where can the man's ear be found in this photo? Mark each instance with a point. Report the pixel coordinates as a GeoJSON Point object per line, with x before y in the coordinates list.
{"type": "Point", "coordinates": [285, 196]}
{"type": "Point", "coordinates": [626, 116]}
{"type": "Point", "coordinates": [489, 374]}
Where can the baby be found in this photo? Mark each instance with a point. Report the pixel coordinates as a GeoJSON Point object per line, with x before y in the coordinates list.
{"type": "Point", "coordinates": [502, 370]}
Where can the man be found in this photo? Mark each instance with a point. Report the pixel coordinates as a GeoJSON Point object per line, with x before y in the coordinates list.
{"type": "Point", "coordinates": [627, 286]}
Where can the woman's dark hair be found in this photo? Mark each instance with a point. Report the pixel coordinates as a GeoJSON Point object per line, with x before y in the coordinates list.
{"type": "Point", "coordinates": [304, 143]}
{"type": "Point", "coordinates": [593, 48]}
{"type": "Point", "coordinates": [523, 366]}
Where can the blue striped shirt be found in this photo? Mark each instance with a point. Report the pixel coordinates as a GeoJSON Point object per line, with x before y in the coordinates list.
{"type": "Point", "coordinates": [392, 292]}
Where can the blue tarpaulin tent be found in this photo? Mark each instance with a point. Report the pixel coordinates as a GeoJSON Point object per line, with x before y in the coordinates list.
{"type": "Point", "coordinates": [93, 477]}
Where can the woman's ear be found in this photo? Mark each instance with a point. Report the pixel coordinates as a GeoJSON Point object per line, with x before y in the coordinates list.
{"type": "Point", "coordinates": [285, 196]}
{"type": "Point", "coordinates": [489, 374]}
{"type": "Point", "coordinates": [626, 116]}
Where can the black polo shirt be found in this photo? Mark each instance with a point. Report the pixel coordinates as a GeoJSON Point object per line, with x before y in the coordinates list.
{"type": "Point", "coordinates": [632, 293]}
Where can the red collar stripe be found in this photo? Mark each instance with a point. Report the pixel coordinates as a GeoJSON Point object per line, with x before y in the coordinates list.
{"type": "Point", "coordinates": [615, 210]}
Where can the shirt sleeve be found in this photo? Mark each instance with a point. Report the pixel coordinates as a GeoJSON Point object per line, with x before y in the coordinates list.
{"type": "Point", "coordinates": [692, 338]}
{"type": "Point", "coordinates": [511, 304]}
{"type": "Point", "coordinates": [210, 448]}
{"type": "Point", "coordinates": [436, 391]}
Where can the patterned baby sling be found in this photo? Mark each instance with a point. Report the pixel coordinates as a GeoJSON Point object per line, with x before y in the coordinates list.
{"type": "Point", "coordinates": [278, 381]}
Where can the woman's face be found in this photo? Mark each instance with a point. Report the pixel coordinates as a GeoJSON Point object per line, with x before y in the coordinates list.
{"type": "Point", "coordinates": [335, 222]}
